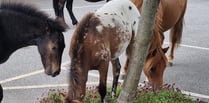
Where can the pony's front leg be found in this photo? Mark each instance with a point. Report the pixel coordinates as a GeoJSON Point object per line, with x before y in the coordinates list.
{"type": "Point", "coordinates": [58, 8]}
{"type": "Point", "coordinates": [116, 73]}
{"type": "Point", "coordinates": [103, 69]}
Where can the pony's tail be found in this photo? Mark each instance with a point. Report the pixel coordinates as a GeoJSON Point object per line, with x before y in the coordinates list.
{"type": "Point", "coordinates": [82, 25]}
{"type": "Point", "coordinates": [176, 31]}
{"type": "Point", "coordinates": [79, 33]}
{"type": "Point", "coordinates": [74, 85]}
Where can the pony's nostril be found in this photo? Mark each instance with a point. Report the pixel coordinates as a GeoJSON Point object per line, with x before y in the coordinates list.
{"type": "Point", "coordinates": [56, 73]}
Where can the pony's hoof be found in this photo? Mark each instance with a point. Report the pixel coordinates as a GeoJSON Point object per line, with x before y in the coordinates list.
{"type": "Point", "coordinates": [75, 22]}
{"type": "Point", "coordinates": [170, 64]}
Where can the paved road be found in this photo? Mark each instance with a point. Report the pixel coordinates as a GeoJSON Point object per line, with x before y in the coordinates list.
{"type": "Point", "coordinates": [24, 81]}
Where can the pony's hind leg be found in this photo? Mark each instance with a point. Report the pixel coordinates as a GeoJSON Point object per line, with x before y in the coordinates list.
{"type": "Point", "coordinates": [69, 8]}
{"type": "Point", "coordinates": [125, 69]}
{"type": "Point", "coordinates": [116, 73]}
{"type": "Point", "coordinates": [103, 69]}
{"type": "Point", "coordinates": [175, 39]}
{"type": "Point", "coordinates": [128, 55]}
{"type": "Point", "coordinates": [58, 9]}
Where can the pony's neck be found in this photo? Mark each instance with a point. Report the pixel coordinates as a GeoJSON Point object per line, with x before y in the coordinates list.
{"type": "Point", "coordinates": [11, 43]}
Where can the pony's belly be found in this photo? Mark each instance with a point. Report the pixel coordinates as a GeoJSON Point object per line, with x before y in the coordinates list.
{"type": "Point", "coordinates": [120, 44]}
{"type": "Point", "coordinates": [122, 47]}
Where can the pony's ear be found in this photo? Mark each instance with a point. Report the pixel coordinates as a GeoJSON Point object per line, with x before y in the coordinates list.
{"type": "Point", "coordinates": [54, 26]}
{"type": "Point", "coordinates": [165, 49]}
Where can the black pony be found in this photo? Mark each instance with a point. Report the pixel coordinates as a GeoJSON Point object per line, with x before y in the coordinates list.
{"type": "Point", "coordinates": [21, 26]}
{"type": "Point", "coordinates": [58, 6]}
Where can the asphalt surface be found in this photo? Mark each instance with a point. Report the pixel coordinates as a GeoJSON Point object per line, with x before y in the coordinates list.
{"type": "Point", "coordinates": [23, 79]}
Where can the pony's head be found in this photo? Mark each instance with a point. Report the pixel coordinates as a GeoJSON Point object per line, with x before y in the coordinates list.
{"type": "Point", "coordinates": [37, 28]}
{"type": "Point", "coordinates": [51, 46]}
{"type": "Point", "coordinates": [154, 66]}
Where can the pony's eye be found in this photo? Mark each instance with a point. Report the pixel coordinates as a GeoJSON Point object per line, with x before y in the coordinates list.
{"type": "Point", "coordinates": [152, 69]}
{"type": "Point", "coordinates": [54, 48]}
{"type": "Point", "coordinates": [154, 52]}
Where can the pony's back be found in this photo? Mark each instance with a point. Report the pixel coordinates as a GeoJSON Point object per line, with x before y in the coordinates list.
{"type": "Point", "coordinates": [125, 9]}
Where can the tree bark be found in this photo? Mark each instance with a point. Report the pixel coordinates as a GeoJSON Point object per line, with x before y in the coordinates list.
{"type": "Point", "coordinates": [139, 51]}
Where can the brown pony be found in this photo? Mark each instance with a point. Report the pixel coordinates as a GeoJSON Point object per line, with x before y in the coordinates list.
{"type": "Point", "coordinates": [99, 38]}
{"type": "Point", "coordinates": [170, 15]}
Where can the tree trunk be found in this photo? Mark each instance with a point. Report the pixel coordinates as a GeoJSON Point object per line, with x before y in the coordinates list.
{"type": "Point", "coordinates": [139, 48]}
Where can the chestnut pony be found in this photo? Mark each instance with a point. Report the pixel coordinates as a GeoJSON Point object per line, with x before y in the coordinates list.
{"type": "Point", "coordinates": [170, 15]}
{"type": "Point", "coordinates": [58, 6]}
{"type": "Point", "coordinates": [98, 39]}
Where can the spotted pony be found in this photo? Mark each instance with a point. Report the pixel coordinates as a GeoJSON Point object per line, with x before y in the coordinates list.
{"type": "Point", "coordinates": [100, 38]}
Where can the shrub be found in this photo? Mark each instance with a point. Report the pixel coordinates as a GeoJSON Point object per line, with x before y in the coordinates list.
{"type": "Point", "coordinates": [144, 94]}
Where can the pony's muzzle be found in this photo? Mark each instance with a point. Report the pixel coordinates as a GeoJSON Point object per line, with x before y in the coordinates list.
{"type": "Point", "coordinates": [51, 72]}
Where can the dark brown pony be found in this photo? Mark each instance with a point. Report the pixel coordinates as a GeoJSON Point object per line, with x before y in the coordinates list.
{"type": "Point", "coordinates": [98, 39]}
{"type": "Point", "coordinates": [21, 26]}
{"type": "Point", "coordinates": [170, 15]}
{"type": "Point", "coordinates": [58, 6]}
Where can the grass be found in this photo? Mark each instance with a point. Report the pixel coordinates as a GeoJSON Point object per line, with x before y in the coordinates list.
{"type": "Point", "coordinates": [145, 94]}
{"type": "Point", "coordinates": [53, 96]}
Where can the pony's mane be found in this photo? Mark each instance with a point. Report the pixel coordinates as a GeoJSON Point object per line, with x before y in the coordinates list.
{"type": "Point", "coordinates": [156, 43]}
{"type": "Point", "coordinates": [32, 12]}
{"type": "Point", "coordinates": [29, 10]}
{"type": "Point", "coordinates": [138, 3]}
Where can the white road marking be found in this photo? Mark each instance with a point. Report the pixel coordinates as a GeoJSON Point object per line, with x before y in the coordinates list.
{"type": "Point", "coordinates": [21, 76]}
{"type": "Point", "coordinates": [191, 46]}
{"type": "Point", "coordinates": [195, 94]}
{"type": "Point", "coordinates": [46, 86]}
